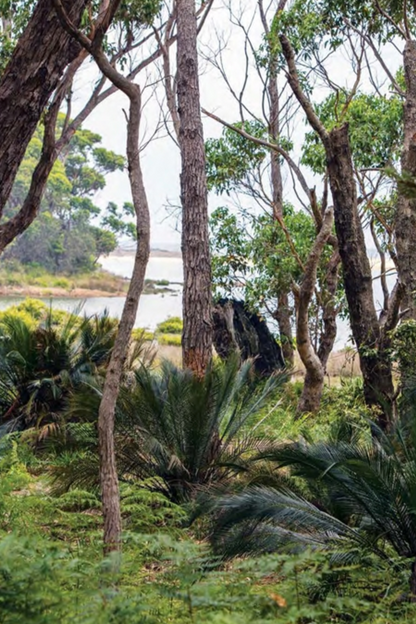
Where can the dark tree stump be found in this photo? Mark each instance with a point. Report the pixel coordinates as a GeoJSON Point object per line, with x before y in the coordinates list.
{"type": "Point", "coordinates": [238, 329]}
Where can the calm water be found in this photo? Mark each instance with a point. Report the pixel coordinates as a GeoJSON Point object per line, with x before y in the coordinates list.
{"type": "Point", "coordinates": [157, 269]}
{"type": "Point", "coordinates": [154, 309]}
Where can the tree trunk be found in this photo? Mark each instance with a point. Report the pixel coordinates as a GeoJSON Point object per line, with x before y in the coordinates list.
{"type": "Point", "coordinates": [374, 361]}
{"type": "Point", "coordinates": [329, 316]}
{"type": "Point", "coordinates": [31, 76]}
{"type": "Point", "coordinates": [406, 208]}
{"type": "Point", "coordinates": [368, 333]}
{"type": "Point", "coordinates": [197, 300]}
{"type": "Point", "coordinates": [238, 329]}
{"type": "Point", "coordinates": [310, 400]}
{"type": "Point", "coordinates": [283, 314]}
{"type": "Point", "coordinates": [108, 470]}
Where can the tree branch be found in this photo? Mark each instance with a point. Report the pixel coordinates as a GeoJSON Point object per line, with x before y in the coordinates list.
{"type": "Point", "coordinates": [294, 82]}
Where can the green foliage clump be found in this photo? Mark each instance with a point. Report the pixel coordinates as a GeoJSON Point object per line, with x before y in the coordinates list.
{"type": "Point", "coordinates": [404, 346]}
{"type": "Point", "coordinates": [178, 432]}
{"type": "Point", "coordinates": [173, 340]}
{"type": "Point", "coordinates": [71, 232]}
{"type": "Point", "coordinates": [172, 325]}
{"type": "Point", "coordinates": [140, 334]}
{"type": "Point", "coordinates": [42, 360]}
{"type": "Point", "coordinates": [376, 130]}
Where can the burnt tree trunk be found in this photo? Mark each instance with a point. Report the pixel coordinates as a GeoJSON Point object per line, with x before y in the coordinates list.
{"type": "Point", "coordinates": [197, 300]}
{"type": "Point", "coordinates": [236, 329]}
{"type": "Point", "coordinates": [31, 76]}
{"type": "Point", "coordinates": [405, 226]}
{"type": "Point", "coordinates": [375, 365]}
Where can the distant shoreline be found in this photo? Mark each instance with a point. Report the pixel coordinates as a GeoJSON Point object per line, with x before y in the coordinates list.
{"type": "Point", "coordinates": [154, 253]}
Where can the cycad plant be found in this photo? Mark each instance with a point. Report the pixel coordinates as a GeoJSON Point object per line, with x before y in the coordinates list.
{"type": "Point", "coordinates": [359, 495]}
{"type": "Point", "coordinates": [177, 432]}
{"type": "Point", "coordinates": [39, 364]}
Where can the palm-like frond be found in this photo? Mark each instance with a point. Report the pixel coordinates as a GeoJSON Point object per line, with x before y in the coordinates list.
{"type": "Point", "coordinates": [361, 493]}
{"type": "Point", "coordinates": [180, 432]}
{"type": "Point", "coordinates": [39, 366]}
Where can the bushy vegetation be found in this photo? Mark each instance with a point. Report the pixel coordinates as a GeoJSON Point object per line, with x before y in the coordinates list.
{"type": "Point", "coordinates": [172, 325]}
{"type": "Point", "coordinates": [51, 567]}
{"type": "Point", "coordinates": [15, 276]}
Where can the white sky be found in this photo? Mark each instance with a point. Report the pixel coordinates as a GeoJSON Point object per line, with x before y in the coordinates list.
{"type": "Point", "coordinates": [160, 160]}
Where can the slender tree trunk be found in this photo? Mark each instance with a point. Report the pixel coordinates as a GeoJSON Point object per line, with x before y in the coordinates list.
{"type": "Point", "coordinates": [197, 301]}
{"type": "Point", "coordinates": [329, 316]}
{"type": "Point", "coordinates": [31, 76]}
{"type": "Point", "coordinates": [406, 208]}
{"type": "Point", "coordinates": [108, 469]}
{"type": "Point", "coordinates": [358, 281]}
{"type": "Point", "coordinates": [283, 315]}
{"type": "Point", "coordinates": [315, 371]}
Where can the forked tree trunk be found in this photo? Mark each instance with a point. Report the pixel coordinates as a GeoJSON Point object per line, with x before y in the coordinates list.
{"type": "Point", "coordinates": [197, 300]}
{"type": "Point", "coordinates": [406, 208]}
{"type": "Point", "coordinates": [31, 76]}
{"type": "Point", "coordinates": [369, 336]}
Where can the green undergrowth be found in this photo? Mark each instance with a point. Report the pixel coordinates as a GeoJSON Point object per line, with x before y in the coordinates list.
{"type": "Point", "coordinates": [52, 569]}
{"type": "Point", "coordinates": [345, 403]}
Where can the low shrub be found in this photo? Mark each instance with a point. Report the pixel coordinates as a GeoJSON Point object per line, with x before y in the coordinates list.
{"type": "Point", "coordinates": [172, 325]}
{"type": "Point", "coordinates": [173, 340]}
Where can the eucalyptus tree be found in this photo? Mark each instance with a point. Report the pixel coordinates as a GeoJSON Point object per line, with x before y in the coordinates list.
{"type": "Point", "coordinates": [385, 27]}
{"type": "Point", "coordinates": [251, 159]}
{"type": "Point", "coordinates": [140, 34]}
{"type": "Point", "coordinates": [261, 256]}
{"type": "Point", "coordinates": [302, 37]}
{"type": "Point", "coordinates": [108, 470]}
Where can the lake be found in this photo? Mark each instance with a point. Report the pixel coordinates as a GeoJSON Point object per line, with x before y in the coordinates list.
{"type": "Point", "coordinates": [154, 309]}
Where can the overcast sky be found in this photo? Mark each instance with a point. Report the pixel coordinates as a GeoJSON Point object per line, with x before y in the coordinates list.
{"type": "Point", "coordinates": [160, 159]}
